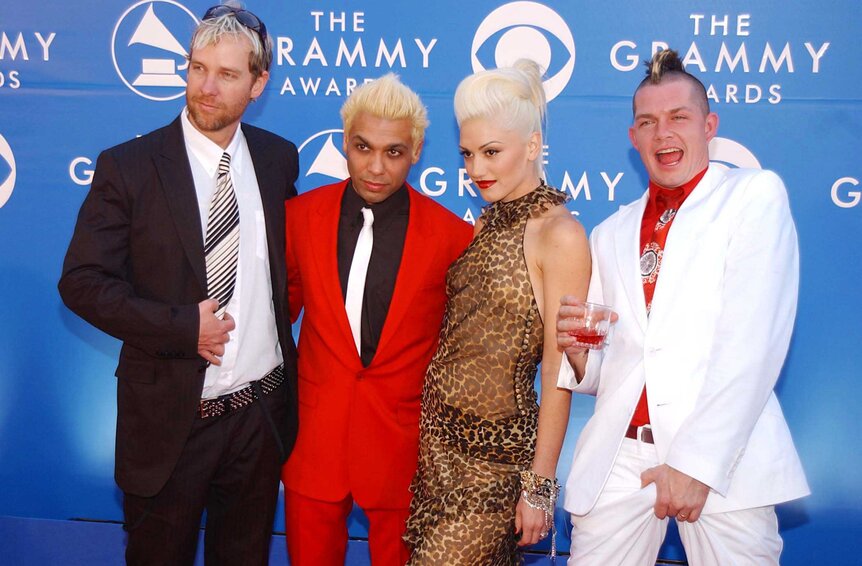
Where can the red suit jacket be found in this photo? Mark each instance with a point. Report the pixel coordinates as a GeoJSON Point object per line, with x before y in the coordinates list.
{"type": "Point", "coordinates": [359, 430]}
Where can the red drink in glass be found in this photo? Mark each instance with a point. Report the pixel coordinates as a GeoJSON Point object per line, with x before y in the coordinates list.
{"type": "Point", "coordinates": [588, 337]}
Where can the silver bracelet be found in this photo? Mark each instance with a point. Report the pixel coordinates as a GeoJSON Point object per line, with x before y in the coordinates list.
{"type": "Point", "coordinates": [541, 493]}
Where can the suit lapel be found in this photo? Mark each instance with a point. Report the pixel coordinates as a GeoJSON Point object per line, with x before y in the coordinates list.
{"type": "Point", "coordinates": [627, 247]}
{"type": "Point", "coordinates": [325, 258]}
{"type": "Point", "coordinates": [692, 219]}
{"type": "Point", "coordinates": [175, 173]}
{"type": "Point", "coordinates": [272, 199]}
{"type": "Point", "coordinates": [411, 272]}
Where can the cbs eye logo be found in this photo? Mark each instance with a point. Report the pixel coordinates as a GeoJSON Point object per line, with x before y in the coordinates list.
{"type": "Point", "coordinates": [526, 30]}
{"type": "Point", "coordinates": [731, 155]}
{"type": "Point", "coordinates": [7, 171]}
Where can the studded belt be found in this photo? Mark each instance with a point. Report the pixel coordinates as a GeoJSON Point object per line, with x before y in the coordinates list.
{"type": "Point", "coordinates": [245, 396]}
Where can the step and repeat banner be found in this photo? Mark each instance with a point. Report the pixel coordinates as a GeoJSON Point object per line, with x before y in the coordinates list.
{"type": "Point", "coordinates": [76, 78]}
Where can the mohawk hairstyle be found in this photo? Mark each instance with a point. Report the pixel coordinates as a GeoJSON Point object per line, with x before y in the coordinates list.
{"type": "Point", "coordinates": [665, 61]}
{"type": "Point", "coordinates": [667, 66]}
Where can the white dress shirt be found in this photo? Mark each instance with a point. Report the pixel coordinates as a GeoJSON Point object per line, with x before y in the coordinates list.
{"type": "Point", "coordinates": [253, 349]}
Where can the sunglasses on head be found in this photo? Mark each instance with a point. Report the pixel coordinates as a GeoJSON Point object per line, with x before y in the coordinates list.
{"type": "Point", "coordinates": [244, 17]}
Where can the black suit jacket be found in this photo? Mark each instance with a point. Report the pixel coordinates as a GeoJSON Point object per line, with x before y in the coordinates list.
{"type": "Point", "coordinates": [135, 269]}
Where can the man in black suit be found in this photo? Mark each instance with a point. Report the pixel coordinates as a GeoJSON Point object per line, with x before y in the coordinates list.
{"type": "Point", "coordinates": [206, 396]}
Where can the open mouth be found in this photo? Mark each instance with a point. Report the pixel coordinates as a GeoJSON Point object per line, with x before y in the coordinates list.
{"type": "Point", "coordinates": [669, 156]}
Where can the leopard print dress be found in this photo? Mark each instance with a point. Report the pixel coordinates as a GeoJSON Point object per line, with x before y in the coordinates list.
{"type": "Point", "coordinates": [479, 409]}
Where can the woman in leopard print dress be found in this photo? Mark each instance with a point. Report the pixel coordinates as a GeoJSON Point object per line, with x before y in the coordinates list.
{"type": "Point", "coordinates": [481, 426]}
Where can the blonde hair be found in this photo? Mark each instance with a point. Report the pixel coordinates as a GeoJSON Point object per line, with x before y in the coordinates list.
{"type": "Point", "coordinates": [209, 32]}
{"type": "Point", "coordinates": [513, 96]}
{"type": "Point", "coordinates": [390, 99]}
{"type": "Point", "coordinates": [510, 96]}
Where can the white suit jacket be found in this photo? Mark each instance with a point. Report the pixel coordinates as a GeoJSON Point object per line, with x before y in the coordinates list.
{"type": "Point", "coordinates": [710, 352]}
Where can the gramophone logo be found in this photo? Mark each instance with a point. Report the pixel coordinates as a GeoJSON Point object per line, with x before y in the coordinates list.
{"type": "Point", "coordinates": [731, 155]}
{"type": "Point", "coordinates": [328, 164]}
{"type": "Point", "coordinates": [7, 171]}
{"type": "Point", "coordinates": [148, 48]}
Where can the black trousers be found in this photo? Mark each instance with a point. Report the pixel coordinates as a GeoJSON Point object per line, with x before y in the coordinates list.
{"type": "Point", "coordinates": [230, 467]}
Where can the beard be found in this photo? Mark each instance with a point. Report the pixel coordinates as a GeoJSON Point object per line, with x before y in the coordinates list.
{"type": "Point", "coordinates": [213, 121]}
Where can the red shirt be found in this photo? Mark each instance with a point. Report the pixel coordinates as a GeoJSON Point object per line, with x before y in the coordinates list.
{"type": "Point", "coordinates": [654, 230]}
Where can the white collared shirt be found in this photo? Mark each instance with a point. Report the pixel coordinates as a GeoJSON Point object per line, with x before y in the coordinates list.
{"type": "Point", "coordinates": [253, 349]}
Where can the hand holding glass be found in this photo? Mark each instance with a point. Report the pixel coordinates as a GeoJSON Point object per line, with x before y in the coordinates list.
{"type": "Point", "coordinates": [594, 321]}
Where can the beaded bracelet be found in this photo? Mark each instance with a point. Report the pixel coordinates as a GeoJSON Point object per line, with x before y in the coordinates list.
{"type": "Point", "coordinates": [541, 493]}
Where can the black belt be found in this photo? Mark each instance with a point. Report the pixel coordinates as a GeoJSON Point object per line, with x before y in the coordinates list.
{"type": "Point", "coordinates": [245, 396]}
{"type": "Point", "coordinates": [645, 433]}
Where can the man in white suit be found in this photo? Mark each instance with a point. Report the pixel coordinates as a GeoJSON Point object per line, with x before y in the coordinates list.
{"type": "Point", "coordinates": [703, 272]}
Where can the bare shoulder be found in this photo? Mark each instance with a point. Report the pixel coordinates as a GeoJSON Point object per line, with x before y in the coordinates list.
{"type": "Point", "coordinates": [557, 241]}
{"type": "Point", "coordinates": [557, 227]}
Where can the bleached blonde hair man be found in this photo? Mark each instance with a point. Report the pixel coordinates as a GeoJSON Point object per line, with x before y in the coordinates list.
{"type": "Point", "coordinates": [390, 99]}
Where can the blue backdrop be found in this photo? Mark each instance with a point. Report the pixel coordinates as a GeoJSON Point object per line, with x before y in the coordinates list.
{"type": "Point", "coordinates": [77, 78]}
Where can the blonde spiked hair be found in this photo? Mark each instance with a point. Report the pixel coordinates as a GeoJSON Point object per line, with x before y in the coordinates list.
{"type": "Point", "coordinates": [390, 99]}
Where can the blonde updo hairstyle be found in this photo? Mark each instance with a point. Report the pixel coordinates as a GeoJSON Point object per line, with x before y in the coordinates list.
{"type": "Point", "coordinates": [512, 97]}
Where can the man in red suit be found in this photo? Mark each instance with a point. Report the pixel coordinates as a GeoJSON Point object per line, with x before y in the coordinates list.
{"type": "Point", "coordinates": [362, 359]}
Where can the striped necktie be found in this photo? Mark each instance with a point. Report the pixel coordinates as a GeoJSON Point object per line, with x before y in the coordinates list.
{"type": "Point", "coordinates": [221, 246]}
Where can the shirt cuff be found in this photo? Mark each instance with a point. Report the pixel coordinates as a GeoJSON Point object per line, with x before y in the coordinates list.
{"type": "Point", "coordinates": [566, 376]}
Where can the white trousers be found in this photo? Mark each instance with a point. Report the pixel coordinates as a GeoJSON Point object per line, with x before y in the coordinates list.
{"type": "Point", "coordinates": [623, 529]}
